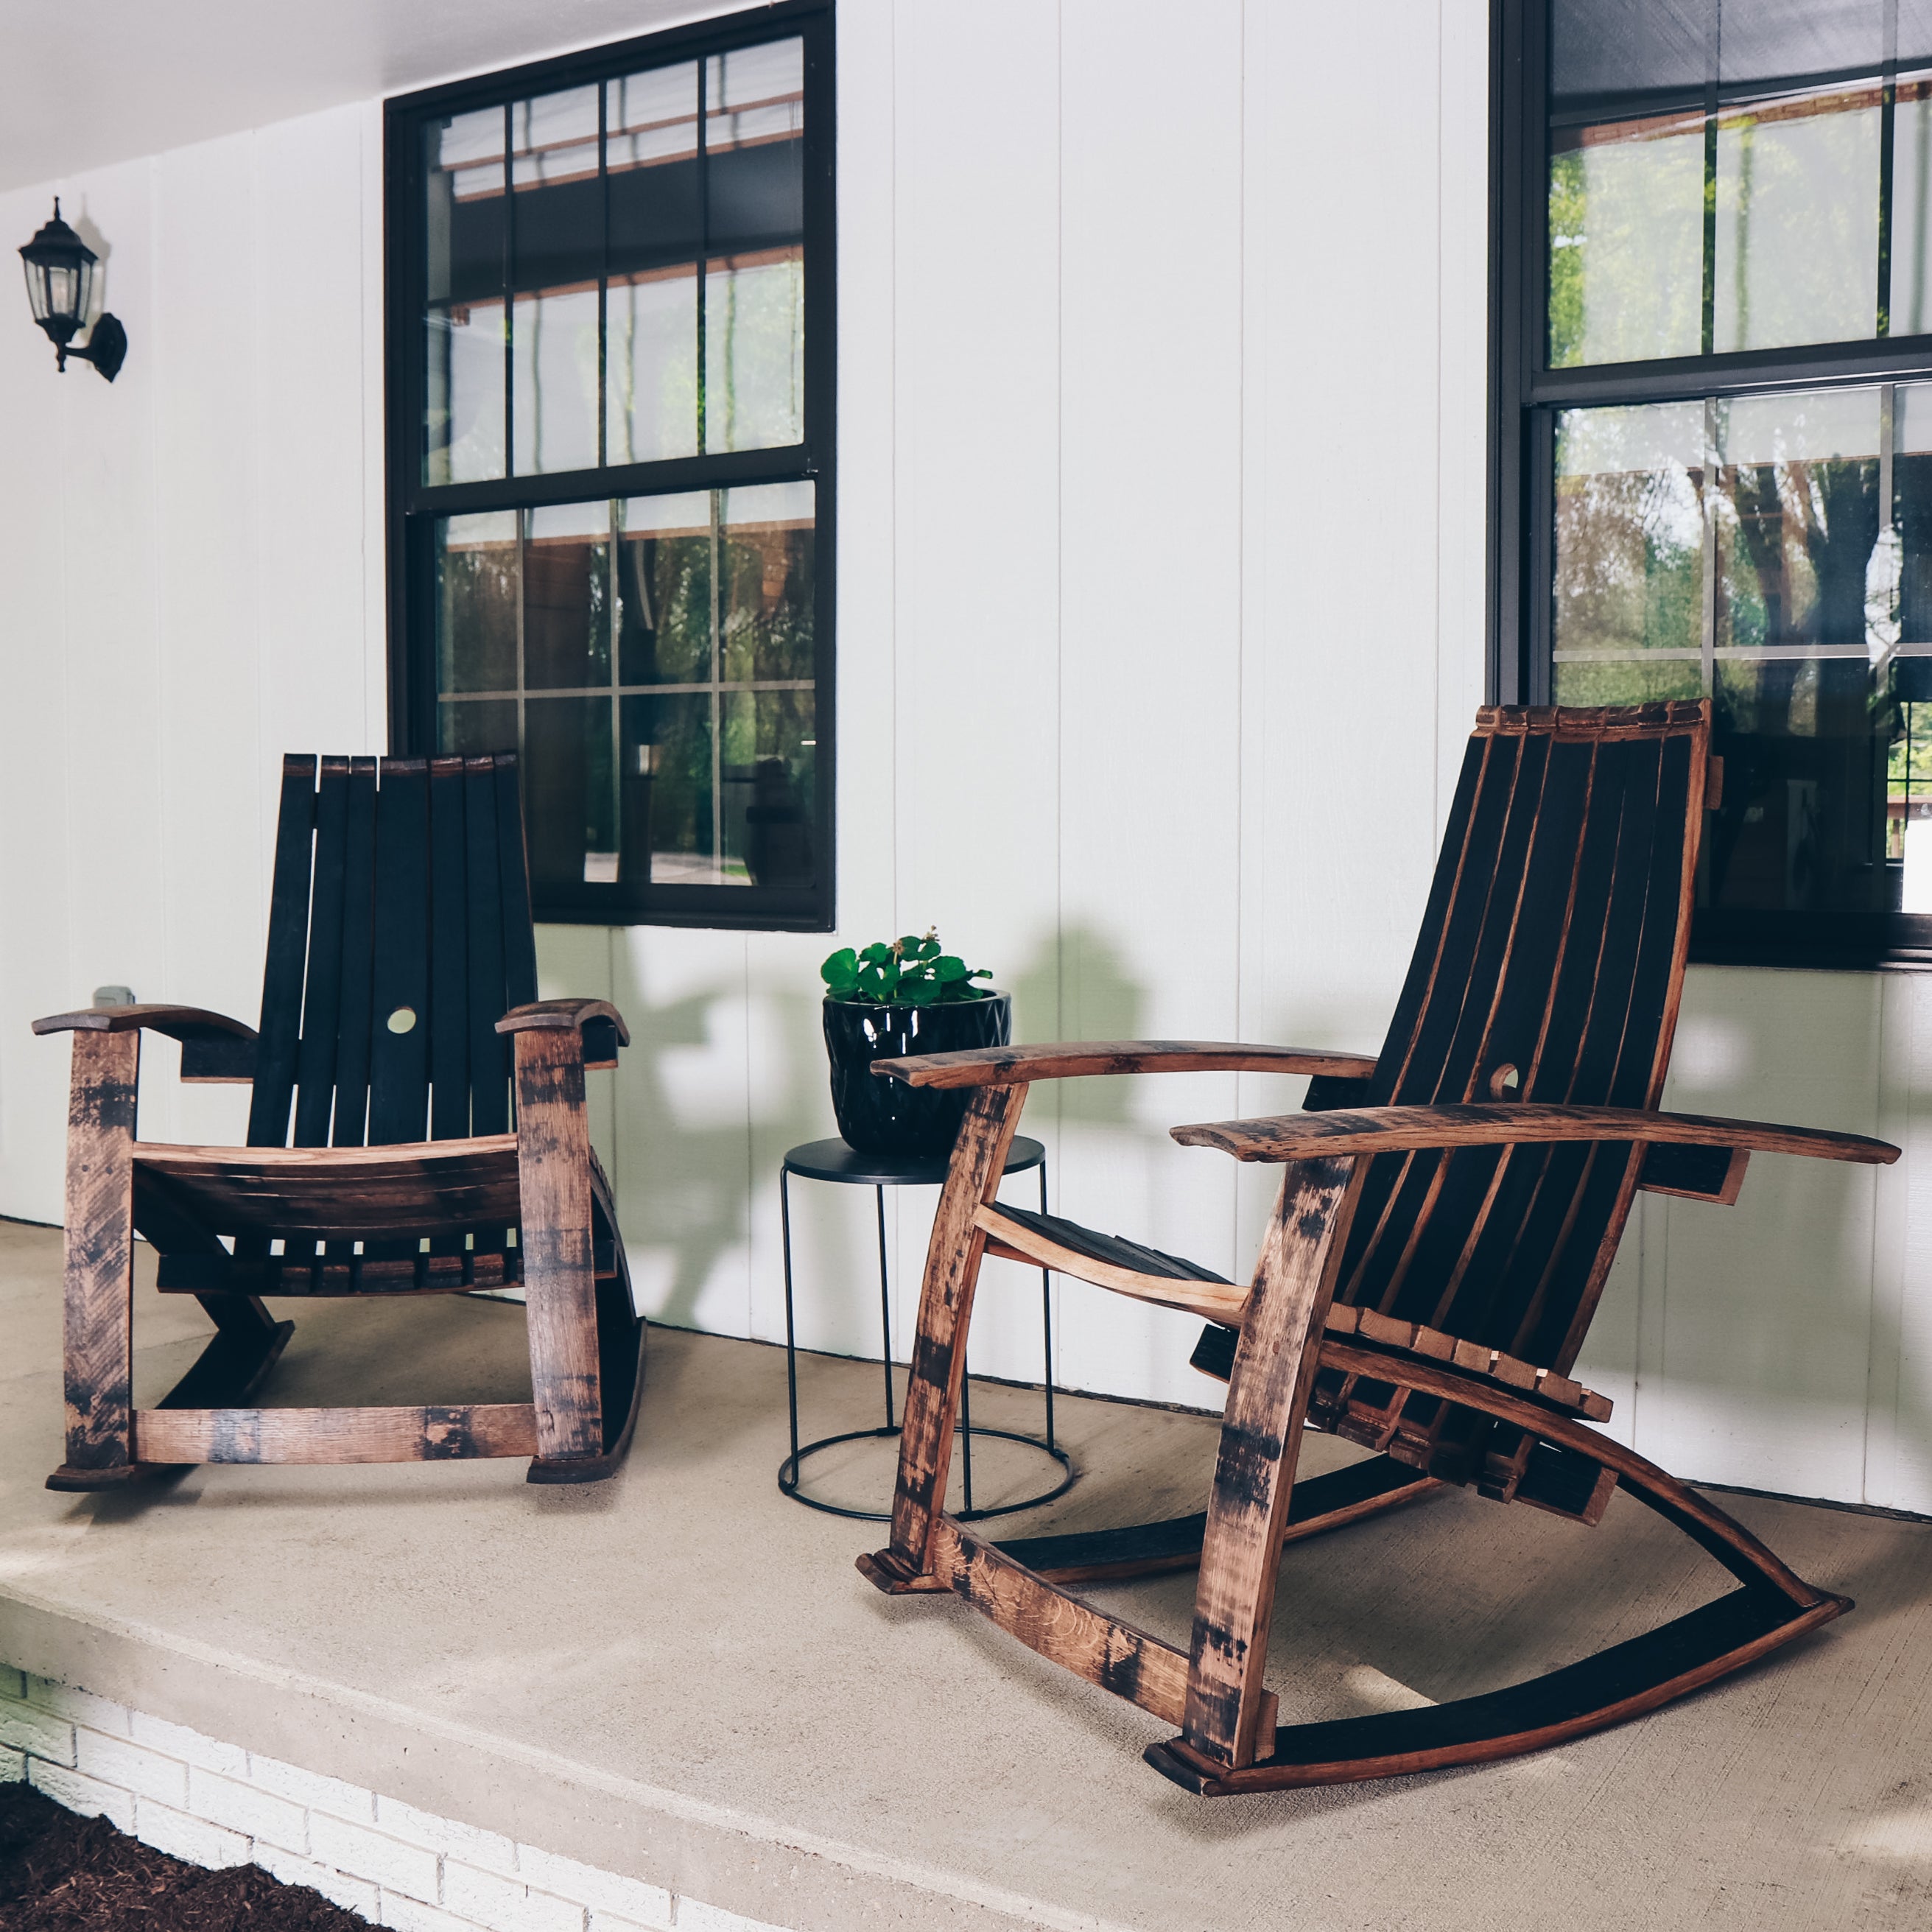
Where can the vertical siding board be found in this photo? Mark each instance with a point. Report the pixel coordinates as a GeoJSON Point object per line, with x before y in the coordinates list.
{"type": "Point", "coordinates": [220, 780]}
{"type": "Point", "coordinates": [1150, 528]}
{"type": "Point", "coordinates": [39, 972]}
{"type": "Point", "coordinates": [977, 403]}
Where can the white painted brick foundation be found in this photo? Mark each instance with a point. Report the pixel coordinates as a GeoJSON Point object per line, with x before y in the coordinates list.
{"type": "Point", "coordinates": [215, 1805]}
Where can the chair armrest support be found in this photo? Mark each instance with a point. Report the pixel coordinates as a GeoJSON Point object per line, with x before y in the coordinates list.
{"type": "Point", "coordinates": [601, 1024]}
{"type": "Point", "coordinates": [1372, 1130]}
{"type": "Point", "coordinates": [214, 1047]}
{"type": "Point", "coordinates": [1069, 1059]}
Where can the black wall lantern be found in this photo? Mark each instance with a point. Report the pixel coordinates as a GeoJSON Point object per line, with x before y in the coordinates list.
{"type": "Point", "coordinates": [60, 280]}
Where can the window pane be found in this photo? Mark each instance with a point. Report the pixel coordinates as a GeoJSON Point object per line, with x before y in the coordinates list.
{"type": "Point", "coordinates": [1911, 308]}
{"type": "Point", "coordinates": [1912, 510]}
{"type": "Point", "coordinates": [1797, 516]}
{"type": "Point", "coordinates": [767, 558]}
{"type": "Point", "coordinates": [1805, 742]}
{"type": "Point", "coordinates": [1766, 40]}
{"type": "Point", "coordinates": [754, 351]}
{"type": "Point", "coordinates": [1627, 240]}
{"type": "Point", "coordinates": [567, 597]}
{"type": "Point", "coordinates": [656, 238]}
{"type": "Point", "coordinates": [1909, 767]}
{"type": "Point", "coordinates": [754, 279]}
{"type": "Point", "coordinates": [477, 590]}
{"type": "Point", "coordinates": [557, 248]}
{"type": "Point", "coordinates": [754, 129]}
{"type": "Point", "coordinates": [768, 765]}
{"type": "Point", "coordinates": [478, 724]}
{"type": "Point", "coordinates": [462, 323]}
{"type": "Point", "coordinates": [651, 324]}
{"type": "Point", "coordinates": [1798, 227]}
{"type": "Point", "coordinates": [1805, 738]}
{"type": "Point", "coordinates": [672, 832]}
{"type": "Point", "coordinates": [558, 207]}
{"type": "Point", "coordinates": [569, 805]}
{"type": "Point", "coordinates": [1629, 545]}
{"type": "Point", "coordinates": [663, 589]}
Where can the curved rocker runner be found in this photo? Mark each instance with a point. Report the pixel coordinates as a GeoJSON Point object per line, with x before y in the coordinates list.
{"type": "Point", "coordinates": [1448, 1212]}
{"type": "Point", "coordinates": [399, 996]}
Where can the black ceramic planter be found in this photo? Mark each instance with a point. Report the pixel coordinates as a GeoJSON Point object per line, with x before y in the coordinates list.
{"type": "Point", "coordinates": [887, 1117]}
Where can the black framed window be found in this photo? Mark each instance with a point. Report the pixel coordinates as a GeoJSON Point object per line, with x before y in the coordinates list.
{"type": "Point", "coordinates": [611, 423]}
{"type": "Point", "coordinates": [1712, 436]}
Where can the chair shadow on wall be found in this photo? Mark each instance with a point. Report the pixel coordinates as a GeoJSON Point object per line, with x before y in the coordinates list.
{"type": "Point", "coordinates": [1799, 1289]}
{"type": "Point", "coordinates": [1078, 988]}
{"type": "Point", "coordinates": [691, 1179]}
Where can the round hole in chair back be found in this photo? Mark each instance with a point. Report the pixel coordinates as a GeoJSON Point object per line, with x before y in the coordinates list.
{"type": "Point", "coordinates": [402, 1019]}
{"type": "Point", "coordinates": [1504, 1083]}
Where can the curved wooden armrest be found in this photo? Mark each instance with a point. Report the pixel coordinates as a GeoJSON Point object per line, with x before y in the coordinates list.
{"type": "Point", "coordinates": [213, 1046]}
{"type": "Point", "coordinates": [177, 1022]}
{"type": "Point", "coordinates": [1399, 1130]}
{"type": "Point", "coordinates": [599, 1022]}
{"type": "Point", "coordinates": [1069, 1059]}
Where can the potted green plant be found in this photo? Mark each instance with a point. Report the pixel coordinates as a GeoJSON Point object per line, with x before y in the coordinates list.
{"type": "Point", "coordinates": [886, 1000]}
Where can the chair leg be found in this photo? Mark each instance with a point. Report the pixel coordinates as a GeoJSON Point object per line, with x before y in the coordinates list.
{"type": "Point", "coordinates": [939, 1351]}
{"type": "Point", "coordinates": [97, 1320]}
{"type": "Point", "coordinates": [622, 1335]}
{"type": "Point", "coordinates": [247, 1343]}
{"type": "Point", "coordinates": [560, 1270]}
{"type": "Point", "coordinates": [1254, 1472]}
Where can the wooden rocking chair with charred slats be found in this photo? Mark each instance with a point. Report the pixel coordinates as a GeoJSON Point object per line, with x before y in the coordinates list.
{"type": "Point", "coordinates": [398, 1000]}
{"type": "Point", "coordinates": [1448, 1212]}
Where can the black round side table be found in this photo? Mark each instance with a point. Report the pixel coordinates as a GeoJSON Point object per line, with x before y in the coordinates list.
{"type": "Point", "coordinates": [833, 1161]}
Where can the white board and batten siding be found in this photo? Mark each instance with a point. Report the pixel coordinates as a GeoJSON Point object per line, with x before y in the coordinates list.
{"type": "Point", "coordinates": [1160, 570]}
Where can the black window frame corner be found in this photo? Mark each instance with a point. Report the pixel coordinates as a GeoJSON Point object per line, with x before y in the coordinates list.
{"type": "Point", "coordinates": [411, 506]}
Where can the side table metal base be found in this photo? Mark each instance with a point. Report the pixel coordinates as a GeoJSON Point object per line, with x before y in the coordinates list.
{"type": "Point", "coordinates": [788, 1474]}
{"type": "Point", "coordinates": [832, 1160]}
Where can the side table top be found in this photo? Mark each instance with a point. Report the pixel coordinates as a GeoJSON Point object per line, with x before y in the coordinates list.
{"type": "Point", "coordinates": [833, 1160]}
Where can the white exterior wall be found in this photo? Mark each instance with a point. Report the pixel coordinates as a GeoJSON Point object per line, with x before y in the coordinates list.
{"type": "Point", "coordinates": [1161, 450]}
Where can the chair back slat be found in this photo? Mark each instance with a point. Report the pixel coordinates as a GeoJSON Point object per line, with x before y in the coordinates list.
{"type": "Point", "coordinates": [399, 1033]}
{"type": "Point", "coordinates": [281, 1028]}
{"type": "Point", "coordinates": [400, 934]}
{"type": "Point", "coordinates": [513, 869]}
{"type": "Point", "coordinates": [322, 997]}
{"type": "Point", "coordinates": [488, 995]}
{"type": "Point", "coordinates": [448, 948]}
{"type": "Point", "coordinates": [351, 1126]}
{"type": "Point", "coordinates": [1553, 944]}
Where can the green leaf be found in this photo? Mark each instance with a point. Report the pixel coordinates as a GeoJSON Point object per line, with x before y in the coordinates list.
{"type": "Point", "coordinates": [911, 970]}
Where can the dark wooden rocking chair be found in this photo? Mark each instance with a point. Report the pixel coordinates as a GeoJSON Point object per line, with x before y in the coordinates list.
{"type": "Point", "coordinates": [1447, 1214]}
{"type": "Point", "coordinates": [401, 968]}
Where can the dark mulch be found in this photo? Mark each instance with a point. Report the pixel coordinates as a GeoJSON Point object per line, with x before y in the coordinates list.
{"type": "Point", "coordinates": [62, 1873]}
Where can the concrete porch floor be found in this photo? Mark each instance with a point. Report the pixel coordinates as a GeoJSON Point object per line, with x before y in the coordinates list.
{"type": "Point", "coordinates": [679, 1676]}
